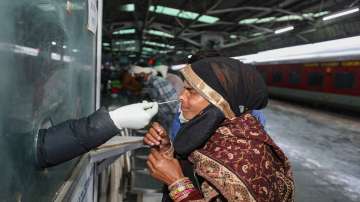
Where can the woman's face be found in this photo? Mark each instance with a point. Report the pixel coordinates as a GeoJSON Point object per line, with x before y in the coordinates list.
{"type": "Point", "coordinates": [192, 103]}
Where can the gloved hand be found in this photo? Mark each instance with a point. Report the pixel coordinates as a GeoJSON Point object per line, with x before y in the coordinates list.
{"type": "Point", "coordinates": [134, 116]}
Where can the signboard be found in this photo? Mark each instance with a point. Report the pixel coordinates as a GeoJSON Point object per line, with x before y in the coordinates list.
{"type": "Point", "coordinates": [92, 15]}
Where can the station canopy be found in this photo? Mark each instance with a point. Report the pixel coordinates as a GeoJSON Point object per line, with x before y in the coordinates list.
{"type": "Point", "coordinates": [154, 28]}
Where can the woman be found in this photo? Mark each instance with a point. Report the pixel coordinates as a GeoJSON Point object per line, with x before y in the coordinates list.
{"type": "Point", "coordinates": [221, 152]}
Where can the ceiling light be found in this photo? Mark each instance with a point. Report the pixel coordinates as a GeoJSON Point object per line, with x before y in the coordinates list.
{"type": "Point", "coordinates": [124, 31]}
{"type": "Point", "coordinates": [125, 42]}
{"type": "Point", "coordinates": [285, 29]}
{"type": "Point", "coordinates": [128, 7]}
{"type": "Point", "coordinates": [284, 18]}
{"type": "Point", "coordinates": [159, 33]}
{"type": "Point", "coordinates": [341, 13]}
{"type": "Point", "coordinates": [256, 34]}
{"type": "Point", "coordinates": [233, 36]}
{"type": "Point", "coordinates": [183, 14]}
{"type": "Point", "coordinates": [151, 43]}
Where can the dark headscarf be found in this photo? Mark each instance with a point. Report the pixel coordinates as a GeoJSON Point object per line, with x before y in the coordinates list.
{"type": "Point", "coordinates": [239, 84]}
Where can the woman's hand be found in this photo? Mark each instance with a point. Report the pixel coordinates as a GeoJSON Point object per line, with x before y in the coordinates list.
{"type": "Point", "coordinates": [164, 168]}
{"type": "Point", "coordinates": [157, 136]}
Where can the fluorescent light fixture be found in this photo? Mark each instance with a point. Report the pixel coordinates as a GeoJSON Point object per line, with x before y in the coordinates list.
{"type": "Point", "coordinates": [282, 18]}
{"type": "Point", "coordinates": [132, 55]}
{"type": "Point", "coordinates": [316, 51]}
{"type": "Point", "coordinates": [124, 31]}
{"type": "Point", "coordinates": [264, 20]}
{"type": "Point", "coordinates": [55, 56]}
{"type": "Point", "coordinates": [64, 46]}
{"type": "Point", "coordinates": [53, 43]}
{"type": "Point", "coordinates": [128, 7]}
{"type": "Point", "coordinates": [151, 43]}
{"type": "Point", "coordinates": [106, 44]}
{"type": "Point", "coordinates": [285, 29]}
{"type": "Point", "coordinates": [159, 33]}
{"type": "Point", "coordinates": [341, 13]}
{"type": "Point", "coordinates": [183, 14]}
{"type": "Point", "coordinates": [75, 50]}
{"type": "Point", "coordinates": [147, 49]}
{"type": "Point", "coordinates": [125, 42]}
{"type": "Point", "coordinates": [26, 50]}
{"type": "Point", "coordinates": [248, 21]}
{"type": "Point", "coordinates": [256, 34]}
{"type": "Point", "coordinates": [290, 18]}
{"type": "Point", "coordinates": [208, 19]}
{"type": "Point", "coordinates": [67, 58]}
{"type": "Point", "coordinates": [131, 48]}
{"type": "Point", "coordinates": [233, 36]}
{"type": "Point", "coordinates": [319, 14]}
{"type": "Point", "coordinates": [164, 51]}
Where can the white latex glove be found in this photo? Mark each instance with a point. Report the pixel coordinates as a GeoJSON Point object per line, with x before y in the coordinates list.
{"type": "Point", "coordinates": [134, 116]}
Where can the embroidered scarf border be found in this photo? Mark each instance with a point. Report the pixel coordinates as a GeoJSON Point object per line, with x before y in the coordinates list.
{"type": "Point", "coordinates": [231, 187]}
{"type": "Point", "coordinates": [207, 92]}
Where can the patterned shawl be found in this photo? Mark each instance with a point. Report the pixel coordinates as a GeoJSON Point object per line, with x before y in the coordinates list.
{"type": "Point", "coordinates": [241, 163]}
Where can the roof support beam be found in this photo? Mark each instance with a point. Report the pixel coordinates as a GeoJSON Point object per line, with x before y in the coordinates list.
{"type": "Point", "coordinates": [195, 20]}
{"type": "Point", "coordinates": [192, 42]}
{"type": "Point", "coordinates": [258, 9]}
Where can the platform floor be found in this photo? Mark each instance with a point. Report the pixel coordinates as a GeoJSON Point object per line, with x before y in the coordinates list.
{"type": "Point", "coordinates": [324, 149]}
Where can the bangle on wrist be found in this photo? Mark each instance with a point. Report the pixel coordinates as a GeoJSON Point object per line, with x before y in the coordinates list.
{"type": "Point", "coordinates": [170, 152]}
{"type": "Point", "coordinates": [180, 189]}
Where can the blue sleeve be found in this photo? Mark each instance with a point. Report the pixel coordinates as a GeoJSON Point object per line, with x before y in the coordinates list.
{"type": "Point", "coordinates": [259, 115]}
{"type": "Point", "coordinates": [175, 127]}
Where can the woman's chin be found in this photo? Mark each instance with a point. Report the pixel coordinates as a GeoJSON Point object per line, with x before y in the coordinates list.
{"type": "Point", "coordinates": [187, 116]}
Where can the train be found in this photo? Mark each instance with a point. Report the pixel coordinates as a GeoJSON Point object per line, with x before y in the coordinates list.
{"type": "Point", "coordinates": [335, 83]}
{"type": "Point", "coordinates": [321, 74]}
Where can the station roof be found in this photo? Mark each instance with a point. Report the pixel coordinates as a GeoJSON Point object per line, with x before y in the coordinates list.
{"type": "Point", "coordinates": [148, 28]}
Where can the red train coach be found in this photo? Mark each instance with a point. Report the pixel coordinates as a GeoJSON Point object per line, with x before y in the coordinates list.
{"type": "Point", "coordinates": [335, 83]}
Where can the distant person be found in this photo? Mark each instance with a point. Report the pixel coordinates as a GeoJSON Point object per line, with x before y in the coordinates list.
{"type": "Point", "coordinates": [222, 152]}
{"type": "Point", "coordinates": [174, 79]}
{"type": "Point", "coordinates": [72, 138]}
{"type": "Point", "coordinates": [160, 90]}
{"type": "Point", "coordinates": [130, 84]}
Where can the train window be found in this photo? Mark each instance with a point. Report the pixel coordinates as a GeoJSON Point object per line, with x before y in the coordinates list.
{"type": "Point", "coordinates": [277, 77]}
{"type": "Point", "coordinates": [294, 77]}
{"type": "Point", "coordinates": [315, 79]}
{"type": "Point", "coordinates": [344, 80]}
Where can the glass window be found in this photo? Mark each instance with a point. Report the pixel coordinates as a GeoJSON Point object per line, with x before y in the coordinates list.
{"type": "Point", "coordinates": [344, 80]}
{"type": "Point", "coordinates": [47, 76]}
{"type": "Point", "coordinates": [315, 79]}
{"type": "Point", "coordinates": [294, 77]}
{"type": "Point", "coordinates": [277, 77]}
